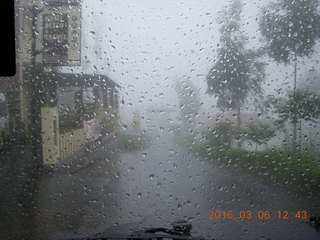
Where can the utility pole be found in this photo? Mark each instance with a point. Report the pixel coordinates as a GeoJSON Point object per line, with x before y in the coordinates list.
{"type": "Point", "coordinates": [34, 91]}
{"type": "Point", "coordinates": [295, 122]}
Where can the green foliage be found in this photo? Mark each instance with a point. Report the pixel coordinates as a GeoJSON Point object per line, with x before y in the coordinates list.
{"type": "Point", "coordinates": [108, 122]}
{"type": "Point", "coordinates": [4, 134]}
{"type": "Point", "coordinates": [222, 135]}
{"type": "Point", "coordinates": [301, 105]}
{"type": "Point", "coordinates": [236, 73]}
{"type": "Point", "coordinates": [290, 28]}
{"type": "Point", "coordinates": [259, 132]}
{"type": "Point", "coordinates": [280, 166]}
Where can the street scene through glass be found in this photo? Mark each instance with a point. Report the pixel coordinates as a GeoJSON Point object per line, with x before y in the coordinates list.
{"type": "Point", "coordinates": [171, 119]}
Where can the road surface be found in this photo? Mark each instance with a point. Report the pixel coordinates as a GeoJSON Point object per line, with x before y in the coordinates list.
{"type": "Point", "coordinates": [154, 187]}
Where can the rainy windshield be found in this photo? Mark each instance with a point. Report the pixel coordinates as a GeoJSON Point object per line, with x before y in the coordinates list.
{"type": "Point", "coordinates": [128, 115]}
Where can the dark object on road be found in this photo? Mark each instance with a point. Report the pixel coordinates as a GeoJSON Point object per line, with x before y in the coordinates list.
{"type": "Point", "coordinates": [183, 227]}
{"type": "Point", "coordinates": [181, 230]}
{"type": "Point", "coordinates": [315, 222]}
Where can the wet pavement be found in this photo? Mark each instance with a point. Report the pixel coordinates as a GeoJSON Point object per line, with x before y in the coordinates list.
{"type": "Point", "coordinates": [123, 192]}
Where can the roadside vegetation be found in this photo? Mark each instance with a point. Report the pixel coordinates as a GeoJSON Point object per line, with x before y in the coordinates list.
{"type": "Point", "coordinates": [284, 118]}
{"type": "Point", "coordinates": [279, 165]}
{"type": "Point", "coordinates": [282, 165]}
{"type": "Point", "coordinates": [129, 142]}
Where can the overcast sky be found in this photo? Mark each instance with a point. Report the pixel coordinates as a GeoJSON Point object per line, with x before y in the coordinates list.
{"type": "Point", "coordinates": [150, 43]}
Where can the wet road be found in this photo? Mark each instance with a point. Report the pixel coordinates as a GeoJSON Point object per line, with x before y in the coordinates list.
{"type": "Point", "coordinates": [154, 187]}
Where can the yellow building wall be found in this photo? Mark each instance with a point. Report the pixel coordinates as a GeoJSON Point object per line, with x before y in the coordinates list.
{"type": "Point", "coordinates": [50, 132]}
{"type": "Point", "coordinates": [71, 141]}
{"type": "Point", "coordinates": [57, 146]}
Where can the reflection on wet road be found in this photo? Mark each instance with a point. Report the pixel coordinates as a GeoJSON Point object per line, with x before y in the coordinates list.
{"type": "Point", "coordinates": [154, 187]}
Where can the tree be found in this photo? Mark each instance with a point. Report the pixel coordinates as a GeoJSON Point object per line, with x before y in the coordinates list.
{"type": "Point", "coordinates": [237, 72]}
{"type": "Point", "coordinates": [222, 135]}
{"type": "Point", "coordinates": [260, 133]}
{"type": "Point", "coordinates": [290, 28]}
{"type": "Point", "coordinates": [301, 105]}
{"type": "Point", "coordinates": [189, 103]}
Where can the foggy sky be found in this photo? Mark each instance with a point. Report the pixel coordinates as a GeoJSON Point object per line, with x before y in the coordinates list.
{"type": "Point", "coordinates": [149, 44]}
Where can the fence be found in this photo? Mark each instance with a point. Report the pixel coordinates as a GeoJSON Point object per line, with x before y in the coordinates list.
{"type": "Point", "coordinates": [70, 142]}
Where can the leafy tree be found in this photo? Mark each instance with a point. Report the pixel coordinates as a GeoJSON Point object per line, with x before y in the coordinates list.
{"type": "Point", "coordinates": [237, 73]}
{"type": "Point", "coordinates": [290, 28]}
{"type": "Point", "coordinates": [222, 134]}
{"type": "Point", "coordinates": [260, 133]}
{"type": "Point", "coordinates": [301, 105]}
{"type": "Point", "coordinates": [189, 103]}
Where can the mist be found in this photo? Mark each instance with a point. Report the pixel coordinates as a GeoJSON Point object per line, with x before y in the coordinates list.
{"type": "Point", "coordinates": [146, 45]}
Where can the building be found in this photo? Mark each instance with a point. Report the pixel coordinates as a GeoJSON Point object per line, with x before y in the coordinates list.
{"type": "Point", "coordinates": [86, 109]}
{"type": "Point", "coordinates": [60, 111]}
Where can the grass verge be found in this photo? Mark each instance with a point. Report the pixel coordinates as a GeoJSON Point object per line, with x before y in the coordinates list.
{"type": "Point", "coordinates": [279, 166]}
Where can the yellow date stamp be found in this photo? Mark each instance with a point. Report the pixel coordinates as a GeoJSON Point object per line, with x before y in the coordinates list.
{"type": "Point", "coordinates": [259, 215]}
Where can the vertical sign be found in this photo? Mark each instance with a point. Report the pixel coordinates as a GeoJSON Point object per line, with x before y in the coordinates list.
{"type": "Point", "coordinates": [55, 38]}
{"type": "Point", "coordinates": [61, 42]}
{"type": "Point", "coordinates": [74, 36]}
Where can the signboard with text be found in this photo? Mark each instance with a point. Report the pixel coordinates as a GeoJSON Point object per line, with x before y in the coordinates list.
{"type": "Point", "coordinates": [61, 42]}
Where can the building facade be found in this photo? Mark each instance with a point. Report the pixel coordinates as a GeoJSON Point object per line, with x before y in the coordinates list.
{"type": "Point", "coordinates": [50, 110]}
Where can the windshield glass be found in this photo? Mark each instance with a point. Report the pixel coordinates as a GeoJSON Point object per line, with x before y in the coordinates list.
{"type": "Point", "coordinates": [127, 115]}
